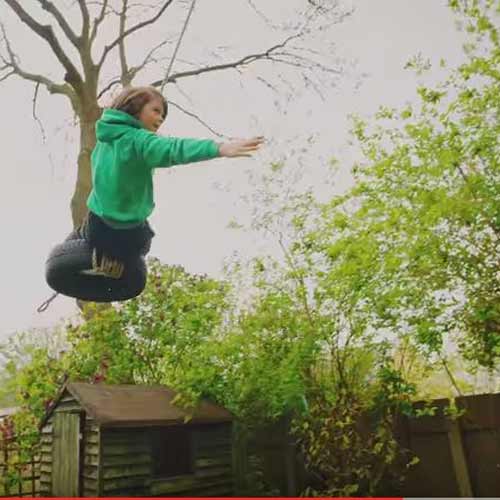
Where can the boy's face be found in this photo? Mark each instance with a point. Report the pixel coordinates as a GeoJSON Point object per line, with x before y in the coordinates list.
{"type": "Point", "coordinates": [151, 114]}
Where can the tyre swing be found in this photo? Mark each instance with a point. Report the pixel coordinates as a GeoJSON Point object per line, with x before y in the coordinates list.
{"type": "Point", "coordinates": [74, 269]}
{"type": "Point", "coordinates": [78, 269]}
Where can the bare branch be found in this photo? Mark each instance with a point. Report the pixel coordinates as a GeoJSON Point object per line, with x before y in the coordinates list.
{"type": "Point", "coordinates": [125, 77]}
{"type": "Point", "coordinates": [4, 77]}
{"type": "Point", "coordinates": [98, 20]}
{"type": "Point", "coordinates": [131, 30]}
{"type": "Point", "coordinates": [261, 14]}
{"type": "Point", "coordinates": [108, 87]}
{"type": "Point", "coordinates": [12, 63]}
{"type": "Point", "coordinates": [47, 33]}
{"type": "Point", "coordinates": [268, 84]}
{"type": "Point", "coordinates": [181, 36]}
{"type": "Point", "coordinates": [40, 124]}
{"type": "Point", "coordinates": [50, 7]}
{"type": "Point", "coordinates": [85, 18]}
{"type": "Point", "coordinates": [197, 118]}
{"type": "Point", "coordinates": [267, 55]}
{"type": "Point", "coordinates": [133, 71]}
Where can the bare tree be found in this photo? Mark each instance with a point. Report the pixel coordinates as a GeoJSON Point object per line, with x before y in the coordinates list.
{"type": "Point", "coordinates": [107, 24]}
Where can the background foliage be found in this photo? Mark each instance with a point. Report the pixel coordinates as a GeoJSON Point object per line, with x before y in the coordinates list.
{"type": "Point", "coordinates": [377, 291]}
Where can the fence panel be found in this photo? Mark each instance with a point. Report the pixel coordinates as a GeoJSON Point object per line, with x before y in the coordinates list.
{"type": "Point", "coordinates": [19, 468]}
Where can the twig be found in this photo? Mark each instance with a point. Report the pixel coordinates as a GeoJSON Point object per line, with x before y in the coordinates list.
{"type": "Point", "coordinates": [181, 36]}
{"type": "Point", "coordinates": [40, 124]}
{"type": "Point", "coordinates": [198, 119]}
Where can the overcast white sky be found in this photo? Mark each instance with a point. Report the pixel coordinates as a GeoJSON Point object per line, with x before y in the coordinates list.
{"type": "Point", "coordinates": [37, 178]}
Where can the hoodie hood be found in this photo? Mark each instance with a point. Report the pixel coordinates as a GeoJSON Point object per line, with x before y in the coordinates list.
{"type": "Point", "coordinates": [113, 124]}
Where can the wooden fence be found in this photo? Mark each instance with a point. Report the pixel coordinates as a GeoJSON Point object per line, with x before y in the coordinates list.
{"type": "Point", "coordinates": [19, 470]}
{"type": "Point", "coordinates": [459, 457]}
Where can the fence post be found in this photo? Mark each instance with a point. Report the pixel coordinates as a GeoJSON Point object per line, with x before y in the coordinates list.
{"type": "Point", "coordinates": [240, 457]}
{"type": "Point", "coordinates": [459, 460]}
{"type": "Point", "coordinates": [6, 465]}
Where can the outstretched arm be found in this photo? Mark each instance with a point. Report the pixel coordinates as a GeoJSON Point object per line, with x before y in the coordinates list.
{"type": "Point", "coordinates": [240, 147]}
{"type": "Point", "coordinates": [157, 151]}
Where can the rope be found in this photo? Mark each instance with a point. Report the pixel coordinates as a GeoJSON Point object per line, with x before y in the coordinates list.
{"type": "Point", "coordinates": [191, 9]}
{"type": "Point", "coordinates": [45, 305]}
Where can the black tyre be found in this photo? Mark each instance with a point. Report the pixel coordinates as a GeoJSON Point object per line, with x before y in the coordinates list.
{"type": "Point", "coordinates": [66, 262]}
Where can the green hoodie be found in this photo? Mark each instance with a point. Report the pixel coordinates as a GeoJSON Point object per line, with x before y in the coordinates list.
{"type": "Point", "coordinates": [123, 162]}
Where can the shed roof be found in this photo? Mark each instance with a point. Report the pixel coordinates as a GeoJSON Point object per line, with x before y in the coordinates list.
{"type": "Point", "coordinates": [138, 405]}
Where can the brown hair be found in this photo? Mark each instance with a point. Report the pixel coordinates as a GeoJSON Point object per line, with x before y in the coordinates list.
{"type": "Point", "coordinates": [132, 99]}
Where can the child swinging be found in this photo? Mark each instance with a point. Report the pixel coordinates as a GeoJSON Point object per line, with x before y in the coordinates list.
{"type": "Point", "coordinates": [128, 149]}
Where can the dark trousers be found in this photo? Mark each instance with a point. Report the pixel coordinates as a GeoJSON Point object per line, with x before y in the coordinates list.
{"type": "Point", "coordinates": [120, 244]}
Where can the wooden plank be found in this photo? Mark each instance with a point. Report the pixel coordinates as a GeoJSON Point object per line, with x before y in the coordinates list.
{"type": "Point", "coordinates": [89, 482]}
{"type": "Point", "coordinates": [67, 397]}
{"type": "Point", "coordinates": [213, 450]}
{"type": "Point", "coordinates": [126, 471]}
{"type": "Point", "coordinates": [92, 449]}
{"type": "Point", "coordinates": [114, 460]}
{"type": "Point", "coordinates": [91, 460]}
{"type": "Point", "coordinates": [215, 472]}
{"type": "Point", "coordinates": [90, 472]}
{"type": "Point", "coordinates": [125, 482]}
{"type": "Point", "coordinates": [100, 491]}
{"type": "Point", "coordinates": [124, 439]}
{"type": "Point", "coordinates": [125, 449]}
{"type": "Point", "coordinates": [186, 484]}
{"type": "Point", "coordinates": [459, 459]}
{"type": "Point", "coordinates": [67, 407]}
{"type": "Point", "coordinates": [212, 441]}
{"type": "Point", "coordinates": [212, 462]}
{"type": "Point", "coordinates": [129, 492]}
{"type": "Point", "coordinates": [136, 459]}
{"type": "Point", "coordinates": [227, 455]}
{"type": "Point", "coordinates": [223, 490]}
{"type": "Point", "coordinates": [91, 439]}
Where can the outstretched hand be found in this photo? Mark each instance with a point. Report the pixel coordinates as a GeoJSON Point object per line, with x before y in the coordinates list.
{"type": "Point", "coordinates": [240, 147]}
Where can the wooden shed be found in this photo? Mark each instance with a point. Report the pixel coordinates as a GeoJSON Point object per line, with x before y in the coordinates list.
{"type": "Point", "coordinates": [130, 440]}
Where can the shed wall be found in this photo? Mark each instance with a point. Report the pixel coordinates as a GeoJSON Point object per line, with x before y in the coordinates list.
{"type": "Point", "coordinates": [126, 462]}
{"type": "Point", "coordinates": [212, 466]}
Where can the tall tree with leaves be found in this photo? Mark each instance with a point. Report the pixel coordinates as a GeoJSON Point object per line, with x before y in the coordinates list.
{"type": "Point", "coordinates": [417, 241]}
{"type": "Point", "coordinates": [105, 30]}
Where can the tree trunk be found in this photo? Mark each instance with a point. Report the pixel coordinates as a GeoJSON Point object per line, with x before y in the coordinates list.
{"type": "Point", "coordinates": [88, 118]}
